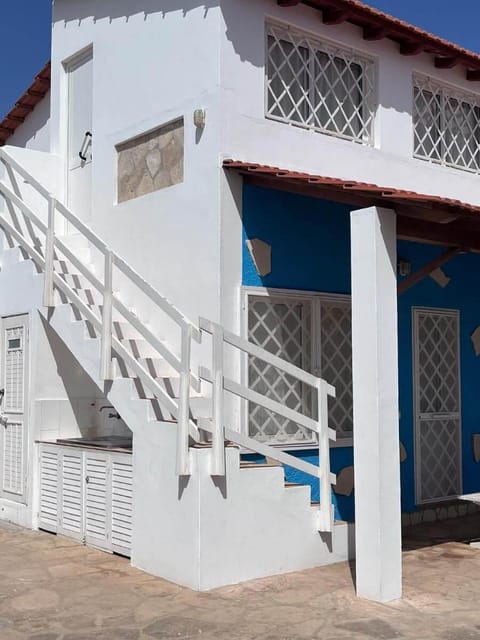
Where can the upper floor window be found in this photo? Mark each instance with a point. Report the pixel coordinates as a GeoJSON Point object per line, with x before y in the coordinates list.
{"type": "Point", "coordinates": [446, 125]}
{"type": "Point", "coordinates": [318, 86]}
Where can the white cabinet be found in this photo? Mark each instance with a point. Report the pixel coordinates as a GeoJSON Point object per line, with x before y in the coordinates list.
{"type": "Point", "coordinates": [86, 494]}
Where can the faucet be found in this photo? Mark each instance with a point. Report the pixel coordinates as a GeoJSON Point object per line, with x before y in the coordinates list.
{"type": "Point", "coordinates": [111, 415]}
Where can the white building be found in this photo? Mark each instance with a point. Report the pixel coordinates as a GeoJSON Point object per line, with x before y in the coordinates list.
{"type": "Point", "coordinates": [181, 210]}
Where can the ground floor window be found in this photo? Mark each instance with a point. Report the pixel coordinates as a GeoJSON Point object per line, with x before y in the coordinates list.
{"type": "Point", "coordinates": [312, 331]}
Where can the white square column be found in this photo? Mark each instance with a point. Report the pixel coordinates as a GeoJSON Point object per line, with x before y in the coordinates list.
{"type": "Point", "coordinates": [378, 543]}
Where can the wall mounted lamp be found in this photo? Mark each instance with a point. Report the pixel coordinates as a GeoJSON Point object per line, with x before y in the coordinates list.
{"type": "Point", "coordinates": [404, 267]}
{"type": "Point", "coordinates": [199, 118]}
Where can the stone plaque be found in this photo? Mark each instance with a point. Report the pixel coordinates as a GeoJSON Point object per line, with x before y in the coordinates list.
{"type": "Point", "coordinates": [151, 161]}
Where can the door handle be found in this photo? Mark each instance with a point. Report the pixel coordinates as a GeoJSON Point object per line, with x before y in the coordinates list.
{"type": "Point", "coordinates": [83, 149]}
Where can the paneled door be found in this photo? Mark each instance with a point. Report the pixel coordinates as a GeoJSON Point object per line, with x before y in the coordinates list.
{"type": "Point", "coordinates": [438, 465]}
{"type": "Point", "coordinates": [13, 427]}
{"type": "Point", "coordinates": [79, 134]}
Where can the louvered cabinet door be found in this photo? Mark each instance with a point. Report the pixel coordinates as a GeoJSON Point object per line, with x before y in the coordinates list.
{"type": "Point", "coordinates": [97, 499]}
{"type": "Point", "coordinates": [13, 435]}
{"type": "Point", "coordinates": [71, 482]}
{"type": "Point", "coordinates": [49, 483]}
{"type": "Point", "coordinates": [121, 523]}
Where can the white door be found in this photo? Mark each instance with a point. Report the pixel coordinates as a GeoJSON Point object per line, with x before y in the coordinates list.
{"type": "Point", "coordinates": [70, 489]}
{"type": "Point", "coordinates": [50, 468]}
{"type": "Point", "coordinates": [13, 428]}
{"type": "Point", "coordinates": [98, 499]}
{"type": "Point", "coordinates": [438, 466]}
{"type": "Point", "coordinates": [122, 503]}
{"type": "Point", "coordinates": [80, 135]}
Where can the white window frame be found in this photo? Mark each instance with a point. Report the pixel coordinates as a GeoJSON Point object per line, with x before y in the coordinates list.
{"type": "Point", "coordinates": [418, 416]}
{"type": "Point", "coordinates": [445, 92]}
{"type": "Point", "coordinates": [316, 298]}
{"type": "Point", "coordinates": [367, 110]}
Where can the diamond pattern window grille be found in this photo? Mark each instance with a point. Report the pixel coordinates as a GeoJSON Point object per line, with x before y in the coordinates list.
{"type": "Point", "coordinates": [288, 327]}
{"type": "Point", "coordinates": [438, 364]}
{"type": "Point", "coordinates": [282, 327]}
{"type": "Point", "coordinates": [336, 363]}
{"type": "Point", "coordinates": [318, 86]}
{"type": "Point", "coordinates": [439, 452]}
{"type": "Point", "coordinates": [446, 125]}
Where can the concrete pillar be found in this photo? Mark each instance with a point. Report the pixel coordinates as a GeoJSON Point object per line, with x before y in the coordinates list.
{"type": "Point", "coordinates": [375, 401]}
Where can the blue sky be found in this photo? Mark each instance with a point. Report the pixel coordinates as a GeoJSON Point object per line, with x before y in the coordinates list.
{"type": "Point", "coordinates": [25, 34]}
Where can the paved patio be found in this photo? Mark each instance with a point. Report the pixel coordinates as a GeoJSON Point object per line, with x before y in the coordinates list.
{"type": "Point", "coordinates": [54, 589]}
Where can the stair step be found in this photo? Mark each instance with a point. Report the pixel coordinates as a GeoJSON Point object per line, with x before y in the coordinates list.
{"type": "Point", "coordinates": [257, 465]}
{"type": "Point", "coordinates": [156, 367]}
{"type": "Point", "coordinates": [293, 485]}
{"type": "Point", "coordinates": [140, 348]}
{"type": "Point", "coordinates": [11, 256]}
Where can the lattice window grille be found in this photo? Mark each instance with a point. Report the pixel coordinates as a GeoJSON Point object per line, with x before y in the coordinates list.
{"type": "Point", "coordinates": [14, 369]}
{"type": "Point", "coordinates": [282, 327]}
{"type": "Point", "coordinates": [318, 86]}
{"type": "Point", "coordinates": [438, 364]}
{"type": "Point", "coordinates": [13, 458]}
{"type": "Point", "coordinates": [439, 452]}
{"type": "Point", "coordinates": [336, 362]}
{"type": "Point", "coordinates": [446, 125]}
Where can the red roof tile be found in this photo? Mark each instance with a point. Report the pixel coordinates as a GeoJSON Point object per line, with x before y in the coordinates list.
{"type": "Point", "coordinates": [25, 104]}
{"type": "Point", "coordinates": [362, 189]}
{"type": "Point", "coordinates": [377, 25]}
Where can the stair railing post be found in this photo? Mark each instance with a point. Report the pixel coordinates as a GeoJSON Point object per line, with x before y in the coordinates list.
{"type": "Point", "coordinates": [326, 507]}
{"type": "Point", "coordinates": [183, 418]}
{"type": "Point", "coordinates": [106, 345]}
{"type": "Point", "coordinates": [218, 432]}
{"type": "Point", "coordinates": [48, 295]}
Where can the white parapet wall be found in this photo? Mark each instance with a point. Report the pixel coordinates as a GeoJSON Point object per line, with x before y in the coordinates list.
{"type": "Point", "coordinates": [204, 532]}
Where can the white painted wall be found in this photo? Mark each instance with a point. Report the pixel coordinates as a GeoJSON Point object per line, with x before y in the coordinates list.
{"type": "Point", "coordinates": [34, 133]}
{"type": "Point", "coordinates": [205, 532]}
{"type": "Point", "coordinates": [153, 61]}
{"type": "Point", "coordinates": [247, 135]}
{"type": "Point", "coordinates": [60, 394]}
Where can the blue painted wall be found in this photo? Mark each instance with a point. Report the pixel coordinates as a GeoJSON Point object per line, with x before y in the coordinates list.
{"type": "Point", "coordinates": [310, 240]}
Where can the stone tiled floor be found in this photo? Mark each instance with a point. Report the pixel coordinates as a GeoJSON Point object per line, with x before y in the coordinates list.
{"type": "Point", "coordinates": [54, 589]}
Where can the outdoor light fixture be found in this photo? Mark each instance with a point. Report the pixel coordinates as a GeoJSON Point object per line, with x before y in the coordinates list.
{"type": "Point", "coordinates": [404, 267]}
{"type": "Point", "coordinates": [199, 117]}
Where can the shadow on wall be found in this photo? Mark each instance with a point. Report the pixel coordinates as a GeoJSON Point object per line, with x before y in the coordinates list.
{"type": "Point", "coordinates": [114, 9]}
{"type": "Point", "coordinates": [75, 381]}
{"type": "Point", "coordinates": [241, 20]}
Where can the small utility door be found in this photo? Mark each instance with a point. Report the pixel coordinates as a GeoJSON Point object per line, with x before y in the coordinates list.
{"type": "Point", "coordinates": [13, 428]}
{"type": "Point", "coordinates": [80, 135]}
{"type": "Point", "coordinates": [98, 499]}
{"type": "Point", "coordinates": [438, 465]}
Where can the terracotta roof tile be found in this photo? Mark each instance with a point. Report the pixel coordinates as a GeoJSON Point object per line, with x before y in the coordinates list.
{"type": "Point", "coordinates": [389, 194]}
{"type": "Point", "coordinates": [25, 104]}
{"type": "Point", "coordinates": [412, 40]}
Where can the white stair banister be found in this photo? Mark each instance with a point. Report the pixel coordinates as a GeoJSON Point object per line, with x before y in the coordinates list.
{"type": "Point", "coordinates": [319, 426]}
{"type": "Point", "coordinates": [183, 418]}
{"type": "Point", "coordinates": [106, 365]}
{"type": "Point", "coordinates": [48, 298]}
{"type": "Point", "coordinates": [326, 514]}
{"type": "Point", "coordinates": [218, 432]}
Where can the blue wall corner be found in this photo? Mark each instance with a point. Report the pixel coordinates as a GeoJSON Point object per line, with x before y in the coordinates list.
{"type": "Point", "coordinates": [310, 240]}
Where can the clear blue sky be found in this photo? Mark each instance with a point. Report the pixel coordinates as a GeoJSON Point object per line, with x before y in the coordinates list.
{"type": "Point", "coordinates": [25, 34]}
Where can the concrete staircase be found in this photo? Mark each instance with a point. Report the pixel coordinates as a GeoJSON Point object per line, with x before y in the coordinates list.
{"type": "Point", "coordinates": [206, 518]}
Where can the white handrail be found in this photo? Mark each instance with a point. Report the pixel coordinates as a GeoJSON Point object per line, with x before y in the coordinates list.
{"type": "Point", "coordinates": [96, 241]}
{"type": "Point", "coordinates": [222, 383]}
{"type": "Point", "coordinates": [105, 288]}
{"type": "Point", "coordinates": [110, 345]}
